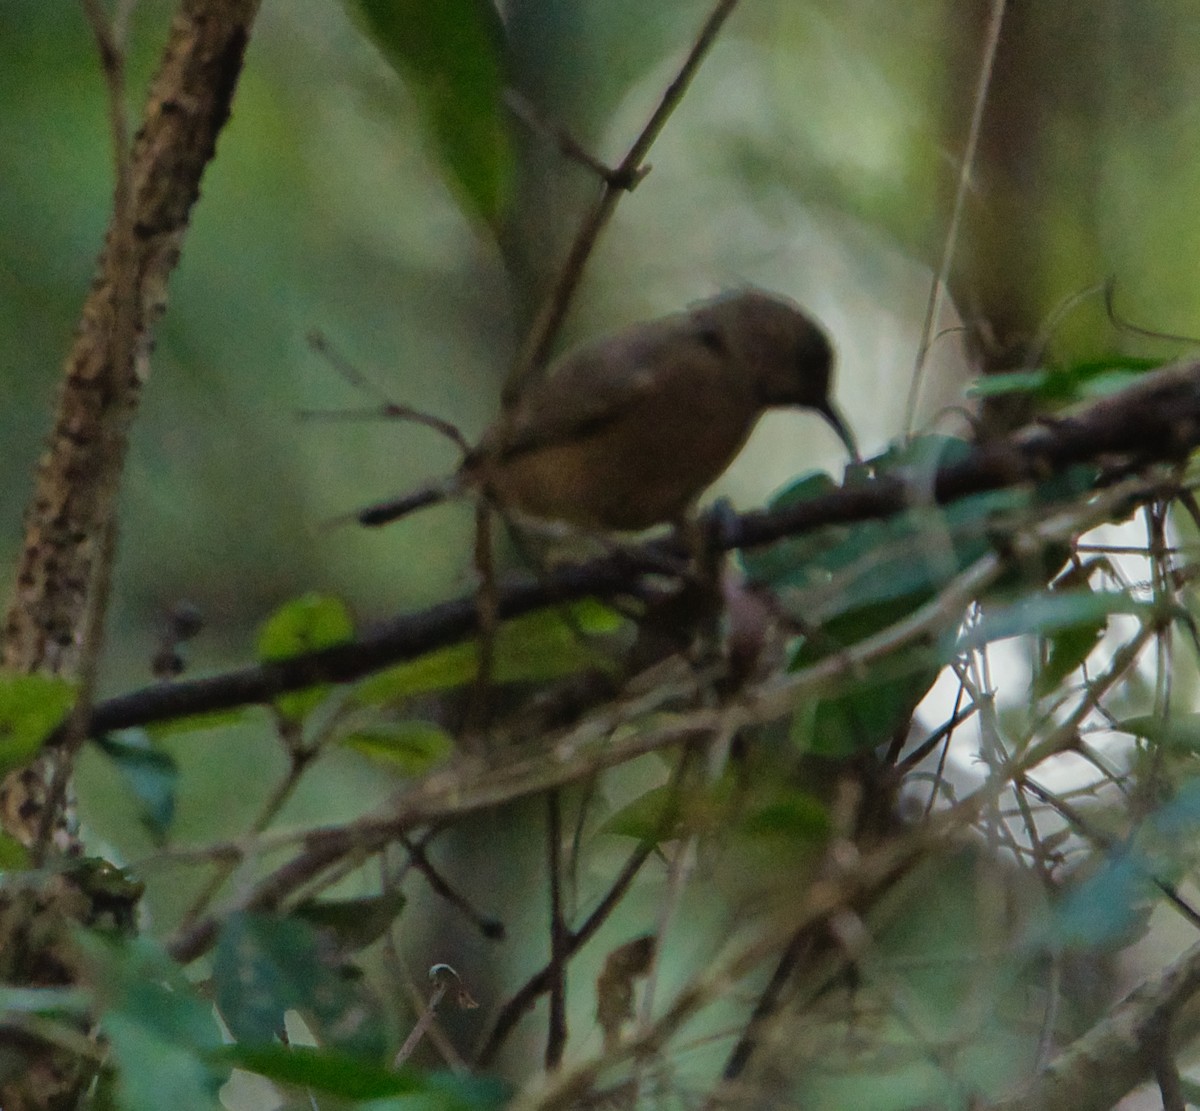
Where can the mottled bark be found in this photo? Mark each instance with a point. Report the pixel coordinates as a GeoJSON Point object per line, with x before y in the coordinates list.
{"type": "Point", "coordinates": [60, 575]}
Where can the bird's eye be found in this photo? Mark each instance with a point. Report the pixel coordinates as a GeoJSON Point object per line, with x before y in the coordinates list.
{"type": "Point", "coordinates": [713, 340]}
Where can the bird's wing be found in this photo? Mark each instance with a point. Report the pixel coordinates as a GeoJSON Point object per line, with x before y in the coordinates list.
{"type": "Point", "coordinates": [598, 383]}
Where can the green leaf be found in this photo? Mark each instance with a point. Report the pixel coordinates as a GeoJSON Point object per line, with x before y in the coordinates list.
{"type": "Point", "coordinates": [160, 1033]}
{"type": "Point", "coordinates": [305, 624]}
{"type": "Point", "coordinates": [265, 965]}
{"type": "Point", "coordinates": [31, 707]}
{"type": "Point", "coordinates": [1110, 908]}
{"type": "Point", "coordinates": [536, 648]}
{"type": "Point", "coordinates": [1049, 612]}
{"type": "Point", "coordinates": [451, 55]}
{"type": "Point", "coordinates": [870, 708]}
{"type": "Point", "coordinates": [210, 719]}
{"type": "Point", "coordinates": [347, 1077]}
{"type": "Point", "coordinates": [410, 748]}
{"type": "Point", "coordinates": [33, 1001]}
{"type": "Point", "coordinates": [1060, 384]}
{"type": "Point", "coordinates": [912, 555]}
{"type": "Point", "coordinates": [1016, 381]}
{"type": "Point", "coordinates": [1179, 731]}
{"type": "Point", "coordinates": [1069, 648]}
{"type": "Point", "coordinates": [324, 1070]}
{"type": "Point", "coordinates": [14, 857]}
{"type": "Point", "coordinates": [355, 923]}
{"type": "Point", "coordinates": [796, 815]}
{"type": "Point", "coordinates": [656, 815]}
{"type": "Point", "coordinates": [665, 813]}
{"type": "Point", "coordinates": [151, 774]}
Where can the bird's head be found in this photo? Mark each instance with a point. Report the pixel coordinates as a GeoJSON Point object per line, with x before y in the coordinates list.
{"type": "Point", "coordinates": [787, 353]}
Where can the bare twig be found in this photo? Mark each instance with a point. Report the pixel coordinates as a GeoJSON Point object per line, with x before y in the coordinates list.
{"type": "Point", "coordinates": [444, 978]}
{"type": "Point", "coordinates": [560, 937]}
{"type": "Point", "coordinates": [539, 983]}
{"type": "Point", "coordinates": [385, 406]}
{"type": "Point", "coordinates": [937, 294]}
{"type": "Point", "coordinates": [524, 110]}
{"type": "Point", "coordinates": [188, 103]}
{"type": "Point", "coordinates": [418, 857]}
{"type": "Point", "coordinates": [68, 520]}
{"type": "Point", "coordinates": [628, 171]}
{"type": "Point", "coordinates": [91, 619]}
{"type": "Point", "coordinates": [55, 618]}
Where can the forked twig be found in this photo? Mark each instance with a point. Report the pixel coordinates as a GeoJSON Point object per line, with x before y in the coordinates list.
{"type": "Point", "coordinates": [546, 325]}
{"type": "Point", "coordinates": [386, 407]}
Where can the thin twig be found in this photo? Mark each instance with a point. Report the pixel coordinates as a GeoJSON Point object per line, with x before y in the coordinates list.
{"type": "Point", "coordinates": [538, 984]}
{"type": "Point", "coordinates": [300, 758]}
{"type": "Point", "coordinates": [941, 280]}
{"type": "Point", "coordinates": [527, 113]}
{"type": "Point", "coordinates": [386, 407]}
{"type": "Point", "coordinates": [490, 927]}
{"type": "Point", "coordinates": [560, 936]}
{"type": "Point", "coordinates": [628, 171]}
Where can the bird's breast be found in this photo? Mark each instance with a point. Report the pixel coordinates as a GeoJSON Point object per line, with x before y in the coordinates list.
{"type": "Point", "coordinates": [644, 467]}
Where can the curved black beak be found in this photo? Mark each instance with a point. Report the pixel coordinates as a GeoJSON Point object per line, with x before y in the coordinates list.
{"type": "Point", "coordinates": [836, 421]}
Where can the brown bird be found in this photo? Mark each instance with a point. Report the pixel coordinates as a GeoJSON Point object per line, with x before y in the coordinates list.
{"type": "Point", "coordinates": [627, 431]}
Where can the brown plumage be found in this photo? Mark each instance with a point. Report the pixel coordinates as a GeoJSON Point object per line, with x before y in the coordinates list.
{"type": "Point", "coordinates": [627, 431]}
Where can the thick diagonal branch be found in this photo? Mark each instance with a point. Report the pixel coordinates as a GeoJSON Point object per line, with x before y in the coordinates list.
{"type": "Point", "coordinates": [78, 476]}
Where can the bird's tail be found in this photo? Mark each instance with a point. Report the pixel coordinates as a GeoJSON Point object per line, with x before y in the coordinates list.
{"type": "Point", "coordinates": [383, 513]}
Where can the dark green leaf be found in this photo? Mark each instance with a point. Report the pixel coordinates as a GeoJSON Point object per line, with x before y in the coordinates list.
{"type": "Point", "coordinates": [871, 708]}
{"type": "Point", "coordinates": [910, 555]}
{"type": "Point", "coordinates": [160, 1033]}
{"type": "Point", "coordinates": [151, 774]}
{"type": "Point", "coordinates": [796, 815]}
{"type": "Point", "coordinates": [265, 965]}
{"type": "Point", "coordinates": [410, 748]}
{"type": "Point", "coordinates": [450, 53]}
{"type": "Point", "coordinates": [1179, 731]}
{"type": "Point", "coordinates": [1051, 611]}
{"type": "Point", "coordinates": [1109, 908]}
{"type": "Point", "coordinates": [330, 1071]}
{"type": "Point", "coordinates": [31, 706]}
{"type": "Point", "coordinates": [355, 923]}
{"type": "Point", "coordinates": [341, 1075]}
{"type": "Point", "coordinates": [1069, 648]}
{"type": "Point", "coordinates": [814, 484]}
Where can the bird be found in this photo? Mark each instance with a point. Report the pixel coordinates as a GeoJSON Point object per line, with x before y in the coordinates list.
{"type": "Point", "coordinates": [627, 431]}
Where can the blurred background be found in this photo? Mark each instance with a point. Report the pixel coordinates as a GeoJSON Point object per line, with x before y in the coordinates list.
{"type": "Point", "coordinates": [817, 154]}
